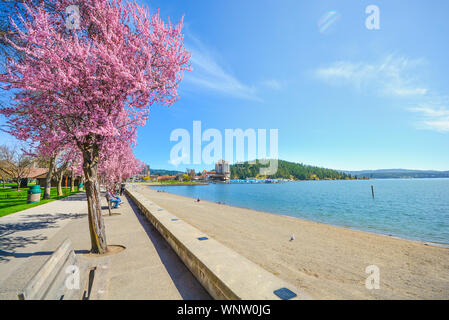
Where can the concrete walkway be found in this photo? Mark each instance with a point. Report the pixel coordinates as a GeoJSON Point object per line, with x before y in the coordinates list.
{"type": "Point", "coordinates": [147, 269]}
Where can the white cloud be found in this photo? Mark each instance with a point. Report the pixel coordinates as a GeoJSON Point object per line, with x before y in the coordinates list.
{"type": "Point", "coordinates": [410, 92]}
{"type": "Point", "coordinates": [434, 118]}
{"type": "Point", "coordinates": [442, 125]}
{"type": "Point", "coordinates": [431, 112]}
{"type": "Point", "coordinates": [209, 74]}
{"type": "Point", "coordinates": [393, 76]}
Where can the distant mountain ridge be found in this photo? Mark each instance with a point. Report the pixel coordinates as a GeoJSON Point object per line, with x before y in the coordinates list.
{"type": "Point", "coordinates": [398, 174]}
{"type": "Point", "coordinates": [302, 172]}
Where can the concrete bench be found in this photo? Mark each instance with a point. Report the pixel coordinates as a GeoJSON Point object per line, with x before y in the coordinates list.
{"type": "Point", "coordinates": [49, 283]}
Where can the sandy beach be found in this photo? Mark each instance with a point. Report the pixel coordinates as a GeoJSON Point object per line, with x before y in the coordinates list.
{"type": "Point", "coordinates": [325, 261]}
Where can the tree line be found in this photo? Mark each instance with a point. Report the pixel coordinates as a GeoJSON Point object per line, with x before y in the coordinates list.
{"type": "Point", "coordinates": [287, 170]}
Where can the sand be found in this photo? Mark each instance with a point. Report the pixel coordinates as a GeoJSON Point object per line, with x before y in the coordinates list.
{"type": "Point", "coordinates": [325, 261]}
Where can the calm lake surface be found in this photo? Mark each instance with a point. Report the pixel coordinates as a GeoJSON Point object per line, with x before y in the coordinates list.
{"type": "Point", "coordinates": [416, 209]}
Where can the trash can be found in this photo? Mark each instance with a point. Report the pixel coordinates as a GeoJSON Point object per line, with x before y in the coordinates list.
{"type": "Point", "coordinates": [34, 194]}
{"type": "Point", "coordinates": [80, 187]}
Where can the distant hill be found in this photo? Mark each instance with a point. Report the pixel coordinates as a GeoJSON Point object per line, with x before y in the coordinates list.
{"type": "Point", "coordinates": [163, 172]}
{"type": "Point", "coordinates": [287, 170]}
{"type": "Point", "coordinates": [398, 174]}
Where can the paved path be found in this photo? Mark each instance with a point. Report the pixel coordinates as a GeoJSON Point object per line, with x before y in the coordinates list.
{"type": "Point", "coordinates": [147, 269]}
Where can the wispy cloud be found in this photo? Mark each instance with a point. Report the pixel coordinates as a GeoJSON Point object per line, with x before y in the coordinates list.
{"type": "Point", "coordinates": [395, 77]}
{"type": "Point", "coordinates": [432, 117]}
{"type": "Point", "coordinates": [438, 125]}
{"type": "Point", "coordinates": [392, 76]}
{"type": "Point", "coordinates": [409, 92]}
{"type": "Point", "coordinates": [430, 112]}
{"type": "Point", "coordinates": [209, 74]}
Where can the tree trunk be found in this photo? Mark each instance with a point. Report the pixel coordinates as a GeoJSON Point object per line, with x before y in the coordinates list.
{"type": "Point", "coordinates": [60, 178]}
{"type": "Point", "coordinates": [108, 200]}
{"type": "Point", "coordinates": [47, 192]}
{"type": "Point", "coordinates": [92, 187]}
{"type": "Point", "coordinates": [72, 183]}
{"type": "Point", "coordinates": [18, 184]}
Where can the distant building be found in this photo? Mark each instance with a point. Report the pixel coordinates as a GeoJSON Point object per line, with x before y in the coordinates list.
{"type": "Point", "coordinates": [206, 175]}
{"type": "Point", "coordinates": [42, 180]}
{"type": "Point", "coordinates": [9, 171]}
{"type": "Point", "coordinates": [222, 172]}
{"type": "Point", "coordinates": [222, 168]}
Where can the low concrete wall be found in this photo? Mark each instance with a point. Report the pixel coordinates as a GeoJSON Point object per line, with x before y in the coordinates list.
{"type": "Point", "coordinates": [224, 273]}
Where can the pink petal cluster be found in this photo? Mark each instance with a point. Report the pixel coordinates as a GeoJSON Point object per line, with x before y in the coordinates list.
{"type": "Point", "coordinates": [118, 166]}
{"type": "Point", "coordinates": [95, 81]}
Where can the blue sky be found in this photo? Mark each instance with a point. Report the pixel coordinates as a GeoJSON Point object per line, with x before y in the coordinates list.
{"type": "Point", "coordinates": [341, 96]}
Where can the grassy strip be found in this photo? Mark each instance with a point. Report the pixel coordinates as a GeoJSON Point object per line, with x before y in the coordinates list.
{"type": "Point", "coordinates": [15, 203]}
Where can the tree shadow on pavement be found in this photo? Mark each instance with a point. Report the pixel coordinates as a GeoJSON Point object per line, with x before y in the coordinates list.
{"type": "Point", "coordinates": [76, 197]}
{"type": "Point", "coordinates": [31, 254]}
{"type": "Point", "coordinates": [11, 238]}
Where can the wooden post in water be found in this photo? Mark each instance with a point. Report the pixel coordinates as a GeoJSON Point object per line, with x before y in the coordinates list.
{"type": "Point", "coordinates": [372, 191]}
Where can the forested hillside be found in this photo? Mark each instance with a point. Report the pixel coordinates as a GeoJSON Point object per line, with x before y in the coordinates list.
{"type": "Point", "coordinates": [287, 170]}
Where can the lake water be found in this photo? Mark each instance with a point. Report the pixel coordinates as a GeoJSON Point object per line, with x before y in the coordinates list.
{"type": "Point", "coordinates": [416, 209]}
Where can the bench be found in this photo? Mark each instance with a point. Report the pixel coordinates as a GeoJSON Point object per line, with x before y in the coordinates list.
{"type": "Point", "coordinates": [49, 283]}
{"type": "Point", "coordinates": [15, 194]}
{"type": "Point", "coordinates": [109, 202]}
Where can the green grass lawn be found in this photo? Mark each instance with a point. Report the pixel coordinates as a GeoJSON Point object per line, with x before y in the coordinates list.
{"type": "Point", "coordinates": [15, 203]}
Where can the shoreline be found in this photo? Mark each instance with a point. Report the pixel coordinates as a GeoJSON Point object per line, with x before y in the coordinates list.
{"type": "Point", "coordinates": [326, 261]}
{"type": "Point", "coordinates": [424, 242]}
{"type": "Point", "coordinates": [174, 184]}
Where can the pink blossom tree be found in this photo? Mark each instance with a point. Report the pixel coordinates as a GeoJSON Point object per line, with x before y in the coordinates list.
{"type": "Point", "coordinates": [90, 84]}
{"type": "Point", "coordinates": [118, 166]}
{"type": "Point", "coordinates": [115, 167]}
{"type": "Point", "coordinates": [76, 170]}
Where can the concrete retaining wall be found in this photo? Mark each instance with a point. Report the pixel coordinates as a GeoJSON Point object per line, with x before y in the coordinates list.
{"type": "Point", "coordinates": [224, 273]}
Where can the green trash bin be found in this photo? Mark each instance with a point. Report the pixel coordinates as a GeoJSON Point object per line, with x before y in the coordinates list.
{"type": "Point", "coordinates": [34, 194]}
{"type": "Point", "coordinates": [80, 187]}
